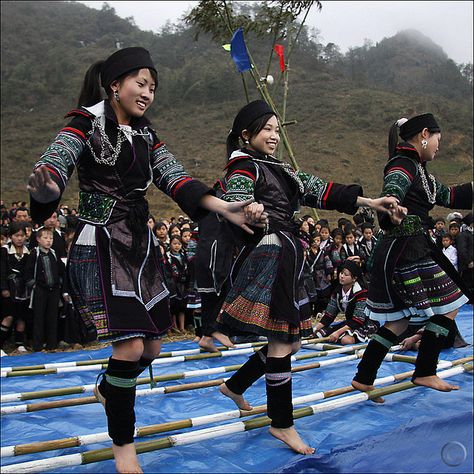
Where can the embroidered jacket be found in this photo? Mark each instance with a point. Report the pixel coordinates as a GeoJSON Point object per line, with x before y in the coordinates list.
{"type": "Point", "coordinates": [353, 311]}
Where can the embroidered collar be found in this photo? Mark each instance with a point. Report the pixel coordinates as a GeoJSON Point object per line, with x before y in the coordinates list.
{"type": "Point", "coordinates": [104, 109]}
{"type": "Point", "coordinates": [408, 150]}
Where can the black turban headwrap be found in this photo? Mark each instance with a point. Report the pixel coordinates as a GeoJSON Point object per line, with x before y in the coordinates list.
{"type": "Point", "coordinates": [416, 124]}
{"type": "Point", "coordinates": [248, 114]}
{"type": "Point", "coordinates": [124, 61]}
{"type": "Point", "coordinates": [353, 267]}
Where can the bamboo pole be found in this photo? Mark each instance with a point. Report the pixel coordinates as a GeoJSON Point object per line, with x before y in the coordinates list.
{"type": "Point", "coordinates": [218, 431]}
{"type": "Point", "coordinates": [33, 407]}
{"type": "Point", "coordinates": [140, 432]}
{"type": "Point", "coordinates": [328, 349]}
{"type": "Point", "coordinates": [165, 355]}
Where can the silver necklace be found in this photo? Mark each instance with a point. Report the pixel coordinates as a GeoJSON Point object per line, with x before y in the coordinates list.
{"type": "Point", "coordinates": [424, 182]}
{"type": "Point", "coordinates": [108, 153]}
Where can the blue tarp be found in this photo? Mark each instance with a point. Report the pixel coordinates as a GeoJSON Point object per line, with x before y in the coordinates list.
{"type": "Point", "coordinates": [412, 432]}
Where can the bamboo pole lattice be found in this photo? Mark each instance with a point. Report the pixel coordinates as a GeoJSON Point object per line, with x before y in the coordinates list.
{"type": "Point", "coordinates": [219, 430]}
{"type": "Point", "coordinates": [76, 441]}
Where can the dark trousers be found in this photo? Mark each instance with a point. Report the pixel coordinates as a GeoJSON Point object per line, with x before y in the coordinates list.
{"type": "Point", "coordinates": [45, 318]}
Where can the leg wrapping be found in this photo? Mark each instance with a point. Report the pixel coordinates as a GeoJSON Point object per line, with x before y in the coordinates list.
{"type": "Point", "coordinates": [433, 340]}
{"type": "Point", "coordinates": [118, 387]}
{"type": "Point", "coordinates": [278, 384]}
{"type": "Point", "coordinates": [373, 356]}
{"type": "Point", "coordinates": [249, 373]}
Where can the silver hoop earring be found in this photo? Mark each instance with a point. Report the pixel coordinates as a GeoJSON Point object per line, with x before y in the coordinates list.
{"type": "Point", "coordinates": [246, 142]}
{"type": "Point", "coordinates": [424, 143]}
{"type": "Point", "coordinates": [116, 96]}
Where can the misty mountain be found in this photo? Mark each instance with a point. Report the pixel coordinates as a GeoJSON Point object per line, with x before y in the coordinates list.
{"type": "Point", "coordinates": [343, 104]}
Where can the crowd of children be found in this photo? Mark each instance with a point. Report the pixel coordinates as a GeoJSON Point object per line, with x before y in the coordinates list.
{"type": "Point", "coordinates": [36, 305]}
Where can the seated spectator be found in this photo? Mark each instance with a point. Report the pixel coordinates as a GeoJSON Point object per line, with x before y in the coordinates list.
{"type": "Point", "coordinates": [350, 299]}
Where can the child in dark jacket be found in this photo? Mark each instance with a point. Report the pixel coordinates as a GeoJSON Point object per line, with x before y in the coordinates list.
{"type": "Point", "coordinates": [14, 257]}
{"type": "Point", "coordinates": [44, 273]}
{"type": "Point", "coordinates": [349, 298]}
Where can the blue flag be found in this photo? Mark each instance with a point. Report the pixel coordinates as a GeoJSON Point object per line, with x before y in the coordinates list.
{"type": "Point", "coordinates": [238, 51]}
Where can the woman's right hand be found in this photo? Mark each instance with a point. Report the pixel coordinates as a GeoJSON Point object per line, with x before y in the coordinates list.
{"type": "Point", "coordinates": [5, 293]}
{"type": "Point", "coordinates": [41, 187]}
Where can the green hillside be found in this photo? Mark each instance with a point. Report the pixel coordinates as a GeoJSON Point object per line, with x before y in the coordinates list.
{"type": "Point", "coordinates": [343, 104]}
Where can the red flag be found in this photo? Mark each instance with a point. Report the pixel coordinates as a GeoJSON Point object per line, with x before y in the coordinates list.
{"type": "Point", "coordinates": [279, 48]}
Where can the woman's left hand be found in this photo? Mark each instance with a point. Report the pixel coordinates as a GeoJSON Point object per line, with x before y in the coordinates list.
{"type": "Point", "coordinates": [334, 336]}
{"type": "Point", "coordinates": [390, 206]}
{"type": "Point", "coordinates": [245, 213]}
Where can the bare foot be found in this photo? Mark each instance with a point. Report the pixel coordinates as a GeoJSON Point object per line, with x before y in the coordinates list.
{"type": "Point", "coordinates": [362, 387]}
{"type": "Point", "coordinates": [196, 339]}
{"type": "Point", "coordinates": [126, 458]}
{"type": "Point", "coordinates": [239, 400]}
{"type": "Point", "coordinates": [433, 381]}
{"type": "Point", "coordinates": [223, 339]}
{"type": "Point", "coordinates": [291, 438]}
{"type": "Point", "coordinates": [207, 344]}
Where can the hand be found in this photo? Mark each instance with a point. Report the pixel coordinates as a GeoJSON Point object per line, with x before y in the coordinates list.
{"type": "Point", "coordinates": [5, 293]}
{"type": "Point", "coordinates": [41, 187]}
{"type": "Point", "coordinates": [255, 214]}
{"type": "Point", "coordinates": [410, 343]}
{"type": "Point", "coordinates": [388, 205]}
{"type": "Point", "coordinates": [354, 258]}
{"type": "Point", "coordinates": [470, 265]}
{"type": "Point", "coordinates": [334, 336]}
{"type": "Point", "coordinates": [67, 298]}
{"type": "Point", "coordinates": [235, 212]}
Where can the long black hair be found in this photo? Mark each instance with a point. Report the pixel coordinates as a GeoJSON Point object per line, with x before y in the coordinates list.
{"type": "Point", "coordinates": [253, 129]}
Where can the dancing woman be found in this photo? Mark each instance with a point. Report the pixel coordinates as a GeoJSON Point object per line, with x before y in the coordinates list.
{"type": "Point", "coordinates": [410, 277]}
{"type": "Point", "coordinates": [114, 270]}
{"type": "Point", "coordinates": [266, 297]}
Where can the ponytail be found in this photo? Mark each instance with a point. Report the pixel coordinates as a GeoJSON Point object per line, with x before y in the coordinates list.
{"type": "Point", "coordinates": [91, 92]}
{"type": "Point", "coordinates": [232, 143]}
{"type": "Point", "coordinates": [393, 137]}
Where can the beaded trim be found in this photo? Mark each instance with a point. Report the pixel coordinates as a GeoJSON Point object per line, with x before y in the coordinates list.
{"type": "Point", "coordinates": [424, 181]}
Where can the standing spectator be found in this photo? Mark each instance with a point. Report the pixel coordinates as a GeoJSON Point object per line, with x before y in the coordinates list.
{"type": "Point", "coordinates": [161, 233]}
{"type": "Point", "coordinates": [465, 248]}
{"type": "Point", "coordinates": [45, 275]}
{"type": "Point", "coordinates": [321, 270]}
{"type": "Point", "coordinates": [59, 243]}
{"type": "Point", "coordinates": [350, 248]}
{"type": "Point", "coordinates": [449, 250]}
{"type": "Point", "coordinates": [21, 215]}
{"type": "Point", "coordinates": [179, 272]}
{"type": "Point", "coordinates": [367, 244]}
{"type": "Point", "coordinates": [14, 257]}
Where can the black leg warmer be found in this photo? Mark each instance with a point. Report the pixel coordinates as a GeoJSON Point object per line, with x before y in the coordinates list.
{"type": "Point", "coordinates": [118, 388]}
{"type": "Point", "coordinates": [278, 382]}
{"type": "Point", "coordinates": [249, 373]}
{"type": "Point", "coordinates": [377, 349]}
{"type": "Point", "coordinates": [144, 363]}
{"type": "Point", "coordinates": [432, 341]}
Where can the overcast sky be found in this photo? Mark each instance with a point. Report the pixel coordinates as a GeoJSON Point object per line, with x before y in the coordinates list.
{"type": "Point", "coordinates": [447, 23]}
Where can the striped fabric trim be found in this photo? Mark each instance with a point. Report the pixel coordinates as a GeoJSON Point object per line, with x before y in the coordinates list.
{"type": "Point", "coordinates": [62, 155]}
{"type": "Point", "coordinates": [396, 183]}
{"type": "Point", "coordinates": [168, 173]}
{"type": "Point", "coordinates": [437, 329]}
{"type": "Point", "coordinates": [315, 188]}
{"type": "Point", "coordinates": [275, 380]}
{"type": "Point", "coordinates": [239, 187]}
{"type": "Point", "coordinates": [120, 382]}
{"type": "Point", "coordinates": [382, 340]}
